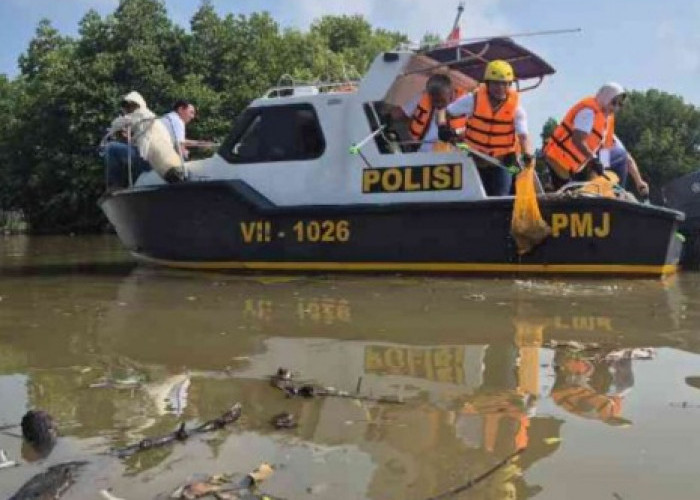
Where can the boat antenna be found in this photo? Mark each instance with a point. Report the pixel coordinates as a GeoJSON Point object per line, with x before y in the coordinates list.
{"type": "Point", "coordinates": [460, 11]}
{"type": "Point", "coordinates": [523, 34]}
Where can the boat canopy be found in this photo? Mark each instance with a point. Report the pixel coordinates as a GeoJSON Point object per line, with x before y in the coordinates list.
{"type": "Point", "coordinates": [471, 58]}
{"type": "Point", "coordinates": [466, 64]}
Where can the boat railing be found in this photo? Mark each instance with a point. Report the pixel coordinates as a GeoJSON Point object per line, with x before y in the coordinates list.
{"type": "Point", "coordinates": [311, 89]}
{"type": "Point", "coordinates": [287, 86]}
{"type": "Point", "coordinates": [130, 142]}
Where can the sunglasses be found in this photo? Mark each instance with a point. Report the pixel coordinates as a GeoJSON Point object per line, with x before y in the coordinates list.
{"type": "Point", "coordinates": [618, 101]}
{"type": "Point", "coordinates": [499, 83]}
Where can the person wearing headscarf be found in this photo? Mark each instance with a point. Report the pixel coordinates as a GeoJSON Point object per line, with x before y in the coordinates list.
{"type": "Point", "coordinates": [148, 145]}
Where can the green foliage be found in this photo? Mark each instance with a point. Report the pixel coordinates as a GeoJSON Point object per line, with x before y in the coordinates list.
{"type": "Point", "coordinates": [663, 134]}
{"type": "Point", "coordinates": [57, 109]}
{"type": "Point", "coordinates": [548, 129]}
{"type": "Point", "coordinates": [67, 93]}
{"type": "Point", "coordinates": [431, 40]}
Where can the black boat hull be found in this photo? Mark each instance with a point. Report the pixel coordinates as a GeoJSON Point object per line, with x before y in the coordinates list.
{"type": "Point", "coordinates": [227, 225]}
{"type": "Point", "coordinates": [683, 194]}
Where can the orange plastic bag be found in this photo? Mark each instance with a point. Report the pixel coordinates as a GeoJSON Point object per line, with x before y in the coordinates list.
{"type": "Point", "coordinates": [528, 228]}
{"type": "Point", "coordinates": [443, 147]}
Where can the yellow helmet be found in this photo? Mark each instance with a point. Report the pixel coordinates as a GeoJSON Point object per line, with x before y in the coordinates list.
{"type": "Point", "coordinates": [499, 71]}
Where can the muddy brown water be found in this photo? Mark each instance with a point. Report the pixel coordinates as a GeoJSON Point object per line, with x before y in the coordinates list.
{"type": "Point", "coordinates": [484, 366]}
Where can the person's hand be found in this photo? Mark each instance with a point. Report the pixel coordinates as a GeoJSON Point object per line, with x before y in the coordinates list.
{"type": "Point", "coordinates": [643, 189]}
{"type": "Point", "coordinates": [528, 159]}
{"type": "Point", "coordinates": [446, 134]}
{"type": "Point", "coordinates": [596, 165]}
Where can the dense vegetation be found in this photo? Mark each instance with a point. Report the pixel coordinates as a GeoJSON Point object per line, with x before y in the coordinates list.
{"type": "Point", "coordinates": [68, 89]}
{"type": "Point", "coordinates": [56, 110]}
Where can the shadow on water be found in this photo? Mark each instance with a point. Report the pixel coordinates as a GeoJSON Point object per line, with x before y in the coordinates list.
{"type": "Point", "coordinates": [587, 375]}
{"type": "Point", "coordinates": [63, 256]}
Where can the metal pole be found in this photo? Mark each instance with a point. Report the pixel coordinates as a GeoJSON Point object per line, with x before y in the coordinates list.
{"type": "Point", "coordinates": [523, 34]}
{"type": "Point", "coordinates": [355, 148]}
{"type": "Point", "coordinates": [128, 140]}
{"type": "Point", "coordinates": [460, 11]}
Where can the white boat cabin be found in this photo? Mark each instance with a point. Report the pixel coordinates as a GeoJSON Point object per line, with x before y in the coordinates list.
{"type": "Point", "coordinates": [330, 144]}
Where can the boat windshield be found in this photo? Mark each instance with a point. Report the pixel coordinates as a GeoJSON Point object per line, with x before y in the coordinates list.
{"type": "Point", "coordinates": [285, 132]}
{"type": "Point", "coordinates": [407, 88]}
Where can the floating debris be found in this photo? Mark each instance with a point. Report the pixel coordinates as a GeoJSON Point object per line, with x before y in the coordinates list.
{"type": "Point", "coordinates": [170, 395]}
{"type": "Point", "coordinates": [637, 353]}
{"type": "Point", "coordinates": [284, 421]}
{"type": "Point", "coordinates": [6, 463]}
{"type": "Point", "coordinates": [52, 483]}
{"type": "Point", "coordinates": [693, 382]}
{"type": "Point", "coordinates": [317, 489]}
{"type": "Point", "coordinates": [232, 415]}
{"type": "Point", "coordinates": [108, 496]}
{"type": "Point", "coordinates": [177, 397]}
{"type": "Point", "coordinates": [182, 434]}
{"type": "Point", "coordinates": [222, 487]}
{"type": "Point", "coordinates": [478, 297]}
{"type": "Point", "coordinates": [683, 404]}
{"type": "Point", "coordinates": [133, 382]}
{"type": "Point", "coordinates": [39, 428]}
{"type": "Point", "coordinates": [284, 381]}
{"type": "Point", "coordinates": [199, 489]}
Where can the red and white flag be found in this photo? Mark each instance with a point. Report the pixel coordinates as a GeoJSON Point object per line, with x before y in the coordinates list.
{"type": "Point", "coordinates": [454, 37]}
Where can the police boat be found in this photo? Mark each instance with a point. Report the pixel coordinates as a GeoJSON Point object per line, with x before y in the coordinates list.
{"type": "Point", "coordinates": [284, 192]}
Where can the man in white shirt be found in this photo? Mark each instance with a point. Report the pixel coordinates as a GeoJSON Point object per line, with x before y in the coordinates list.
{"type": "Point", "coordinates": [176, 121]}
{"type": "Point", "coordinates": [464, 106]}
{"type": "Point", "coordinates": [496, 125]}
{"type": "Point", "coordinates": [581, 145]}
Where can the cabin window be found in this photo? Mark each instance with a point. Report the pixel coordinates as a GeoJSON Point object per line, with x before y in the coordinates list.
{"type": "Point", "coordinates": [395, 136]}
{"type": "Point", "coordinates": [275, 133]}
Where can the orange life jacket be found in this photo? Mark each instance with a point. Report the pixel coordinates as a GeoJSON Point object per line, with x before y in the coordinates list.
{"type": "Point", "coordinates": [494, 408]}
{"type": "Point", "coordinates": [423, 116]}
{"type": "Point", "coordinates": [493, 132]}
{"type": "Point", "coordinates": [587, 403]}
{"type": "Point", "coordinates": [560, 147]}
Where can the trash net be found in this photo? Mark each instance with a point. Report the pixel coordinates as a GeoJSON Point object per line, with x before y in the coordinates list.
{"type": "Point", "coordinates": [605, 186]}
{"type": "Point", "coordinates": [528, 228]}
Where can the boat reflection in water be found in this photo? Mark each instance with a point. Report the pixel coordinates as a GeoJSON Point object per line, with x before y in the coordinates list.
{"type": "Point", "coordinates": [484, 368]}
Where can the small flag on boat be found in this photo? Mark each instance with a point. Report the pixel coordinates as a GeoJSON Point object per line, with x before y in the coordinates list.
{"type": "Point", "coordinates": [456, 34]}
